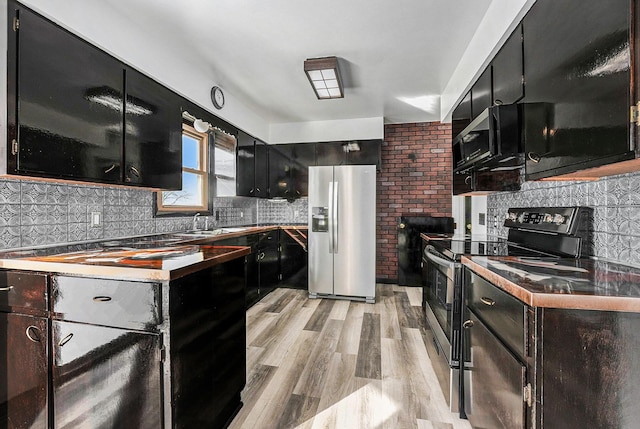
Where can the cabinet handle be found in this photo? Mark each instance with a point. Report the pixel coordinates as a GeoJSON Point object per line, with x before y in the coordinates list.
{"type": "Point", "coordinates": [298, 192]}
{"type": "Point", "coordinates": [251, 191]}
{"type": "Point", "coordinates": [467, 180]}
{"type": "Point", "coordinates": [135, 171]}
{"type": "Point", "coordinates": [534, 157]}
{"type": "Point", "coordinates": [257, 189]}
{"type": "Point", "coordinates": [286, 192]}
{"type": "Point", "coordinates": [497, 102]}
{"type": "Point", "coordinates": [102, 298]}
{"type": "Point", "coordinates": [6, 288]}
{"type": "Point", "coordinates": [65, 340]}
{"type": "Point", "coordinates": [33, 333]}
{"type": "Point", "coordinates": [262, 255]}
{"type": "Point", "coordinates": [488, 301]}
{"type": "Point", "coordinates": [467, 324]}
{"type": "Point", "coordinates": [110, 169]}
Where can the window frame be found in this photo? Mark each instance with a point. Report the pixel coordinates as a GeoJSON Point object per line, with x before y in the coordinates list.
{"type": "Point", "coordinates": [206, 163]}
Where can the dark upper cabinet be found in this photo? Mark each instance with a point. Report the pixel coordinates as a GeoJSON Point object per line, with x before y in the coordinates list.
{"type": "Point", "coordinates": [577, 86]}
{"type": "Point", "coordinates": [67, 116]}
{"type": "Point", "coordinates": [330, 153]}
{"type": "Point", "coordinates": [508, 70]}
{"type": "Point", "coordinates": [279, 177]}
{"type": "Point", "coordinates": [462, 183]}
{"type": "Point", "coordinates": [474, 182]}
{"type": "Point", "coordinates": [252, 167]}
{"type": "Point", "coordinates": [303, 156]}
{"type": "Point", "coordinates": [362, 152]}
{"type": "Point", "coordinates": [461, 116]}
{"type": "Point", "coordinates": [153, 139]}
{"type": "Point", "coordinates": [67, 111]}
{"type": "Point", "coordinates": [262, 170]}
{"type": "Point", "coordinates": [246, 165]}
{"type": "Point", "coordinates": [481, 93]}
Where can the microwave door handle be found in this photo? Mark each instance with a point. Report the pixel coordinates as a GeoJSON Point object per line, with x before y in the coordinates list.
{"type": "Point", "coordinates": [440, 261]}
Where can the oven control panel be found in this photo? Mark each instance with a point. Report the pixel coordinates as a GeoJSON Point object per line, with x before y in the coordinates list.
{"type": "Point", "coordinates": [552, 219]}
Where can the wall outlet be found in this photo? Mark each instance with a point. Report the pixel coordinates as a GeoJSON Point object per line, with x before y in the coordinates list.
{"type": "Point", "coordinates": [296, 213]}
{"type": "Point", "coordinates": [96, 219]}
{"type": "Point", "coordinates": [241, 214]}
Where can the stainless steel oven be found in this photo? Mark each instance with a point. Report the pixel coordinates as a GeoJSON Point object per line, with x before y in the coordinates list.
{"type": "Point", "coordinates": [441, 300]}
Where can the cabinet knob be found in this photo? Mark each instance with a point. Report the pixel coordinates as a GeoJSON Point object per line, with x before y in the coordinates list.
{"type": "Point", "coordinates": [488, 301]}
{"type": "Point", "coordinates": [467, 324]}
{"type": "Point", "coordinates": [533, 157]}
{"type": "Point", "coordinates": [33, 333]}
{"type": "Point", "coordinates": [65, 340]}
{"type": "Point", "coordinates": [111, 168]}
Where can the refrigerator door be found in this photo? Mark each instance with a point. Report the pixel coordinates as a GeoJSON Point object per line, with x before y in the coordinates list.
{"type": "Point", "coordinates": [355, 231]}
{"type": "Point", "coordinates": [320, 230]}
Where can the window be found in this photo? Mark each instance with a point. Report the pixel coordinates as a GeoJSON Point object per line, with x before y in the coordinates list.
{"type": "Point", "coordinates": [224, 164]}
{"type": "Point", "coordinates": [208, 170]}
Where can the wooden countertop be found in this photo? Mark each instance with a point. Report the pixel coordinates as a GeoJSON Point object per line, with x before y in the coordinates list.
{"type": "Point", "coordinates": [586, 284]}
{"type": "Point", "coordinates": [157, 257]}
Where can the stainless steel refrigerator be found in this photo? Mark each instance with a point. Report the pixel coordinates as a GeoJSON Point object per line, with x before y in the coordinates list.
{"type": "Point", "coordinates": [342, 232]}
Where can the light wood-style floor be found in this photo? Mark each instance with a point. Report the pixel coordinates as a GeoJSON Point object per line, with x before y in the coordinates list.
{"type": "Point", "coordinates": [331, 364]}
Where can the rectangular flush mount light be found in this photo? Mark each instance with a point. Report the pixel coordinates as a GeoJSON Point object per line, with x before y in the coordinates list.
{"type": "Point", "coordinates": [324, 75]}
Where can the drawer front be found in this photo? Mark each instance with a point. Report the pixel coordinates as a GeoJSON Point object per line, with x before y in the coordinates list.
{"type": "Point", "coordinates": [124, 304]}
{"type": "Point", "coordinates": [23, 289]}
{"type": "Point", "coordinates": [267, 239]}
{"type": "Point", "coordinates": [501, 312]}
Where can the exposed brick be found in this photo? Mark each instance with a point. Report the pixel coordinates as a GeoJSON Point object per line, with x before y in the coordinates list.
{"type": "Point", "coordinates": [406, 186]}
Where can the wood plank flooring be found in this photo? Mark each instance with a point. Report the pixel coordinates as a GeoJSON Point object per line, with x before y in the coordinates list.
{"type": "Point", "coordinates": [331, 364]}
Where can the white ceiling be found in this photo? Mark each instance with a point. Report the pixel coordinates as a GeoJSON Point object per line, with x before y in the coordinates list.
{"type": "Point", "coordinates": [254, 50]}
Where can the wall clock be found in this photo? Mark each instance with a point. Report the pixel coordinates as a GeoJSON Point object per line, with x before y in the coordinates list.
{"type": "Point", "coordinates": [217, 97]}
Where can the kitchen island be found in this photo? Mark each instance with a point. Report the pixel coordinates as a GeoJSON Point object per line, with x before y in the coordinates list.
{"type": "Point", "coordinates": [147, 332]}
{"type": "Point", "coordinates": [551, 342]}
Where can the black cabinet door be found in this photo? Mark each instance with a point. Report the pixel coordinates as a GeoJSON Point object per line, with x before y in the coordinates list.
{"type": "Point", "coordinates": [462, 183]}
{"type": "Point", "coordinates": [153, 141]}
{"type": "Point", "coordinates": [245, 166]}
{"type": "Point", "coordinates": [105, 377]}
{"type": "Point", "coordinates": [269, 259]}
{"type": "Point", "coordinates": [65, 98]}
{"type": "Point", "coordinates": [493, 397]}
{"type": "Point", "coordinates": [303, 156]}
{"type": "Point", "coordinates": [261, 170]}
{"type": "Point", "coordinates": [208, 345]}
{"type": "Point", "coordinates": [364, 152]}
{"type": "Point", "coordinates": [508, 70]}
{"type": "Point", "coordinates": [330, 153]}
{"type": "Point", "coordinates": [481, 93]}
{"type": "Point", "coordinates": [577, 77]}
{"type": "Point", "coordinates": [461, 116]}
{"type": "Point", "coordinates": [24, 375]}
{"type": "Point", "coordinates": [279, 173]}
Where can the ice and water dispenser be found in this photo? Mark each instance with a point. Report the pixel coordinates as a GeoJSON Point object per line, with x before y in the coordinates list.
{"type": "Point", "coordinates": [319, 219]}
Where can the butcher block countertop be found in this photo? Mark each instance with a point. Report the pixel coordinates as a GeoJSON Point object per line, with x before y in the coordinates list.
{"type": "Point", "coordinates": [586, 284]}
{"type": "Point", "coordinates": [160, 257]}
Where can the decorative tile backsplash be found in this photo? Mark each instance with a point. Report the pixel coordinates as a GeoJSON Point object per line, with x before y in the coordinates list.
{"type": "Point", "coordinates": [42, 213]}
{"type": "Point", "coordinates": [615, 201]}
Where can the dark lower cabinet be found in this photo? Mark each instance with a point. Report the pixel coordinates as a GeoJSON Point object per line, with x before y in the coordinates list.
{"type": "Point", "coordinates": [293, 262]}
{"type": "Point", "coordinates": [495, 381]}
{"type": "Point", "coordinates": [105, 377]}
{"type": "Point", "coordinates": [24, 392]}
{"type": "Point", "coordinates": [208, 345]}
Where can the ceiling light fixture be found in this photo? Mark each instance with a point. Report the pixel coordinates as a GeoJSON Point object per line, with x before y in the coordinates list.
{"type": "Point", "coordinates": [324, 75]}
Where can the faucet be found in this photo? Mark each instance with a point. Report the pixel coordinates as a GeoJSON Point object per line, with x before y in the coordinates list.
{"type": "Point", "coordinates": [195, 221]}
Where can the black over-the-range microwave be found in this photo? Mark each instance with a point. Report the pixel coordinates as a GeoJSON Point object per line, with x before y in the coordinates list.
{"type": "Point", "coordinates": [492, 141]}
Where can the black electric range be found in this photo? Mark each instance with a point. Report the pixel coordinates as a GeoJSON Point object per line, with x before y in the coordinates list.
{"type": "Point", "coordinates": [549, 232]}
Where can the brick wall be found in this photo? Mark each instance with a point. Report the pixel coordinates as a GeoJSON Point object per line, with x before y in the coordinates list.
{"type": "Point", "coordinates": [415, 180]}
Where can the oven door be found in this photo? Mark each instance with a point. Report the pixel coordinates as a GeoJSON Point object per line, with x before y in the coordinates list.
{"type": "Point", "coordinates": [441, 294]}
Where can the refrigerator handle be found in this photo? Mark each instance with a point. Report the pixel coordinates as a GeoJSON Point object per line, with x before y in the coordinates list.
{"type": "Point", "coordinates": [334, 220]}
{"type": "Point", "coordinates": [331, 208]}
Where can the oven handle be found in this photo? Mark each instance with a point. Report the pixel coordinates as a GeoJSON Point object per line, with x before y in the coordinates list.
{"type": "Point", "coordinates": [440, 261]}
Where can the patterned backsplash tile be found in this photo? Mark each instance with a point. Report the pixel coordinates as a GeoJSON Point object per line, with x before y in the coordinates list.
{"type": "Point", "coordinates": [42, 213]}
{"type": "Point", "coordinates": [616, 206]}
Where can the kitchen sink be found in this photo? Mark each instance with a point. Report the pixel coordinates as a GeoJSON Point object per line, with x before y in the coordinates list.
{"type": "Point", "coordinates": [210, 232]}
